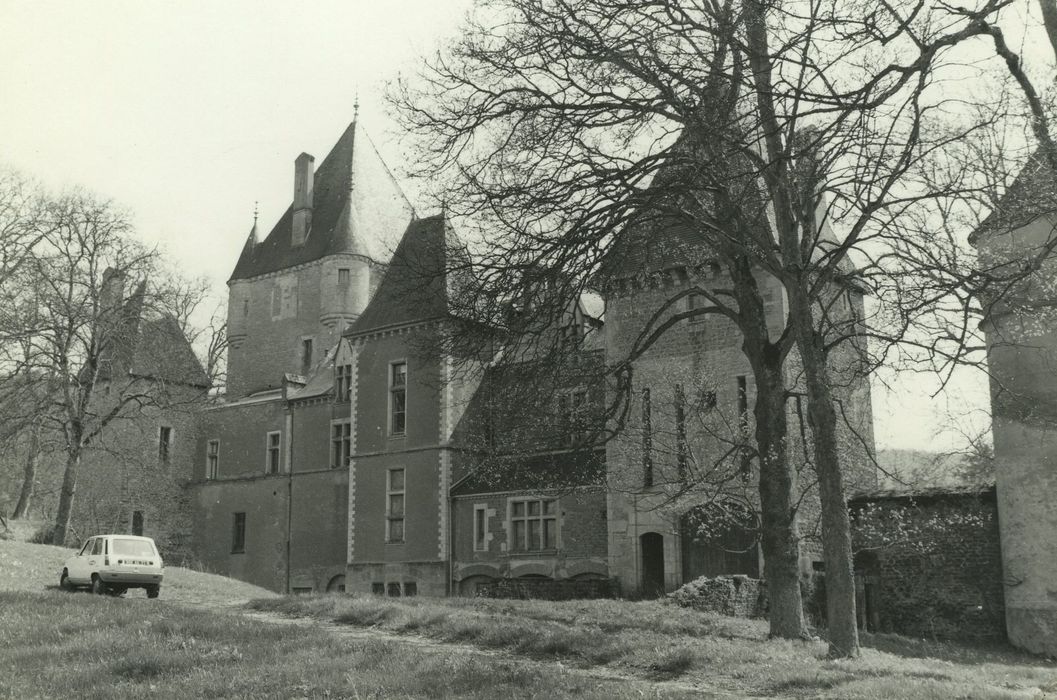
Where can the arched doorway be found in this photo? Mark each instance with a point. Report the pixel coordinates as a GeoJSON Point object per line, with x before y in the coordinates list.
{"type": "Point", "coordinates": [337, 584]}
{"type": "Point", "coordinates": [652, 546]}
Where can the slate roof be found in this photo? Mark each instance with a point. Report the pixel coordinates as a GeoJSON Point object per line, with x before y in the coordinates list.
{"type": "Point", "coordinates": [416, 285]}
{"type": "Point", "coordinates": [541, 471]}
{"type": "Point", "coordinates": [163, 352]}
{"type": "Point", "coordinates": [320, 382]}
{"type": "Point", "coordinates": [923, 492]}
{"type": "Point", "coordinates": [662, 237]}
{"type": "Point", "coordinates": [357, 207]}
{"type": "Point", "coordinates": [1033, 193]}
{"type": "Point", "coordinates": [659, 237]}
{"type": "Point", "coordinates": [151, 346]}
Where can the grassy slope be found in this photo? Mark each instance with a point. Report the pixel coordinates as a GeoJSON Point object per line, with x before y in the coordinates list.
{"type": "Point", "coordinates": [55, 644]}
{"type": "Point", "coordinates": [36, 567]}
{"type": "Point", "coordinates": [656, 640]}
{"type": "Point", "coordinates": [103, 647]}
{"type": "Point", "coordinates": [79, 645]}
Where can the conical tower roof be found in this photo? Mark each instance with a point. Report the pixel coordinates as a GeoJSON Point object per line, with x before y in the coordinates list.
{"type": "Point", "coordinates": [357, 207]}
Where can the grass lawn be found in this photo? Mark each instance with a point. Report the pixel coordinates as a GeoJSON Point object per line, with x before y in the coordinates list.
{"type": "Point", "coordinates": [654, 640]}
{"type": "Point", "coordinates": [197, 641]}
{"type": "Point", "coordinates": [58, 645]}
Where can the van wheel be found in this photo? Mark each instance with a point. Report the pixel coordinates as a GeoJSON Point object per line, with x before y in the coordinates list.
{"type": "Point", "coordinates": [153, 591]}
{"type": "Point", "coordinates": [98, 587]}
{"type": "Point", "coordinates": [64, 582]}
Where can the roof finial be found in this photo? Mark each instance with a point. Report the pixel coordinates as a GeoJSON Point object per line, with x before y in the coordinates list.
{"type": "Point", "coordinates": [255, 203]}
{"type": "Point", "coordinates": [356, 106]}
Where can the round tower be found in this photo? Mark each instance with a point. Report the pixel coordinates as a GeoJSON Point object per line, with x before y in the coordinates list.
{"type": "Point", "coordinates": [1022, 358]}
{"type": "Point", "coordinates": [344, 289]}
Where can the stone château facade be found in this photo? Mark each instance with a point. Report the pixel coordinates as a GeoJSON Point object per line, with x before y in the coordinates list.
{"type": "Point", "coordinates": [361, 448]}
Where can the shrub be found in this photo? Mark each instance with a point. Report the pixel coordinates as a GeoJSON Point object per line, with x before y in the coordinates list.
{"type": "Point", "coordinates": [738, 596]}
{"type": "Point", "coordinates": [42, 535]}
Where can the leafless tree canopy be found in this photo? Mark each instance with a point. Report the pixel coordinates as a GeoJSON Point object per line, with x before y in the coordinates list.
{"type": "Point", "coordinates": [91, 334]}
{"type": "Point", "coordinates": [825, 144]}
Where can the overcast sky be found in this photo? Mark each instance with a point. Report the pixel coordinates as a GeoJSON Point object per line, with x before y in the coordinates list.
{"type": "Point", "coordinates": [189, 112]}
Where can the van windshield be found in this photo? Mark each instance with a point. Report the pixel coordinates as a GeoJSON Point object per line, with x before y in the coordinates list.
{"type": "Point", "coordinates": [132, 548]}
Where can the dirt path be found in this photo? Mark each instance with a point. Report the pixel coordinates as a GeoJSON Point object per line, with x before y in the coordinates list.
{"type": "Point", "coordinates": [659, 688]}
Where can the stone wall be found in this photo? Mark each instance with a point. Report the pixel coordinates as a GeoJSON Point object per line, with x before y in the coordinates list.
{"type": "Point", "coordinates": [929, 563]}
{"type": "Point", "coordinates": [126, 485]}
{"type": "Point", "coordinates": [737, 596]}
{"type": "Point", "coordinates": [548, 589]}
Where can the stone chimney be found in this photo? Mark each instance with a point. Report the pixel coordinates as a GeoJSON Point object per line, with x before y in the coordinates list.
{"type": "Point", "coordinates": [304, 177]}
{"type": "Point", "coordinates": [112, 290]}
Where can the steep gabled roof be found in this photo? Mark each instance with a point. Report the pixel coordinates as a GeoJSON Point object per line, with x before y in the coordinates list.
{"type": "Point", "coordinates": [153, 346]}
{"type": "Point", "coordinates": [357, 207]}
{"type": "Point", "coordinates": [162, 352]}
{"type": "Point", "coordinates": [1033, 193]}
{"type": "Point", "coordinates": [549, 470]}
{"type": "Point", "coordinates": [416, 285]}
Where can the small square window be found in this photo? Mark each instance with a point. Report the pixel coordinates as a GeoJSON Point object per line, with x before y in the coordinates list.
{"type": "Point", "coordinates": [410, 588]}
{"type": "Point", "coordinates": [164, 443]}
{"type": "Point", "coordinates": [273, 457]}
{"type": "Point", "coordinates": [573, 416]}
{"type": "Point", "coordinates": [213, 459]}
{"type": "Point", "coordinates": [277, 301]}
{"type": "Point", "coordinates": [378, 588]}
{"type": "Point", "coordinates": [697, 302]}
{"type": "Point", "coordinates": [343, 383]}
{"type": "Point", "coordinates": [393, 590]}
{"type": "Point", "coordinates": [394, 508]}
{"type": "Point", "coordinates": [306, 356]}
{"type": "Point", "coordinates": [340, 443]}
{"type": "Point", "coordinates": [480, 528]}
{"type": "Point", "coordinates": [397, 398]}
{"type": "Point", "coordinates": [238, 534]}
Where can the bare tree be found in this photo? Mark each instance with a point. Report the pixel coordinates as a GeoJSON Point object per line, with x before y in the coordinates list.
{"type": "Point", "coordinates": [22, 223]}
{"type": "Point", "coordinates": [82, 332]}
{"type": "Point", "coordinates": [794, 141]}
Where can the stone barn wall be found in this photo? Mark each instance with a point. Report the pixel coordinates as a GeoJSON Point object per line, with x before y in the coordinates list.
{"type": "Point", "coordinates": [929, 563]}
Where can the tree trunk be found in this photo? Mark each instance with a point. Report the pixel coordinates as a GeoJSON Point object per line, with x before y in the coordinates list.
{"type": "Point", "coordinates": [780, 540]}
{"type": "Point", "coordinates": [29, 475]}
{"type": "Point", "coordinates": [836, 525]}
{"type": "Point", "coordinates": [69, 489]}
